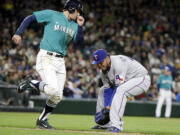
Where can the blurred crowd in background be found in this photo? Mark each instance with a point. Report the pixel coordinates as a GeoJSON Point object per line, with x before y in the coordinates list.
{"type": "Point", "coordinates": [148, 31]}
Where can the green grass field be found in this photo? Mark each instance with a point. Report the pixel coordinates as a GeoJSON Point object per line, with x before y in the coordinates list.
{"type": "Point", "coordinates": [24, 124]}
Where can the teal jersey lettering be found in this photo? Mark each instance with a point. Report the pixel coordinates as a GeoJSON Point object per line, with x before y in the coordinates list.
{"type": "Point", "coordinates": [165, 82]}
{"type": "Point", "coordinates": [59, 32]}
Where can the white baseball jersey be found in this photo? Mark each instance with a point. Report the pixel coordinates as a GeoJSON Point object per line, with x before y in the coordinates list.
{"type": "Point", "coordinates": [131, 78]}
{"type": "Point", "coordinates": [122, 69]}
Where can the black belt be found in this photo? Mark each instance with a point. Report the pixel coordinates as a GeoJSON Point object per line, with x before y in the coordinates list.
{"type": "Point", "coordinates": [56, 55]}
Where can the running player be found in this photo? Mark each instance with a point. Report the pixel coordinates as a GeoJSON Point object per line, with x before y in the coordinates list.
{"type": "Point", "coordinates": [61, 28]}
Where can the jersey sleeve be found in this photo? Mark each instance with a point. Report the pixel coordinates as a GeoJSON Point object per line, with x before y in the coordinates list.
{"type": "Point", "coordinates": [121, 69]}
{"type": "Point", "coordinates": [123, 72]}
{"type": "Point", "coordinates": [43, 15]}
{"type": "Point", "coordinates": [76, 31]}
{"type": "Point", "coordinates": [107, 96]}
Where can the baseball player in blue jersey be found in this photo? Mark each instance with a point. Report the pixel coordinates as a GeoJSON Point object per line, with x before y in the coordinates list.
{"type": "Point", "coordinates": [165, 86]}
{"type": "Point", "coordinates": [122, 77]}
{"type": "Point", "coordinates": [61, 28]}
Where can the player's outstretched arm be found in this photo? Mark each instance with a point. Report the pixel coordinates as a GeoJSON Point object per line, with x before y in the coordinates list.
{"type": "Point", "coordinates": [17, 38]}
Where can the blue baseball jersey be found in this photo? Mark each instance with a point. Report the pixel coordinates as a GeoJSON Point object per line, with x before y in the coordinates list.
{"type": "Point", "coordinates": [59, 32]}
{"type": "Point", "coordinates": [165, 82]}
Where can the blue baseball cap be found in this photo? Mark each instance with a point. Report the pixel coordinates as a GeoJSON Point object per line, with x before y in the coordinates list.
{"type": "Point", "coordinates": [99, 55]}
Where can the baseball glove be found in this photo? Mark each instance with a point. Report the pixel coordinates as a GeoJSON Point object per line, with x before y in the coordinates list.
{"type": "Point", "coordinates": [102, 117]}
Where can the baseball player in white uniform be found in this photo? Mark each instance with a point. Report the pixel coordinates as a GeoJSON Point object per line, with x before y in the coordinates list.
{"type": "Point", "coordinates": [165, 86]}
{"type": "Point", "coordinates": [122, 77]}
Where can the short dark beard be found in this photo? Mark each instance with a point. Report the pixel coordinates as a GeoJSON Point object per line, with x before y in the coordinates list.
{"type": "Point", "coordinates": [105, 71]}
{"type": "Point", "coordinates": [108, 68]}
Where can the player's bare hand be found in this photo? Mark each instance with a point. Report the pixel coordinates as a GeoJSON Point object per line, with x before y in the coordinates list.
{"type": "Point", "coordinates": [80, 20]}
{"type": "Point", "coordinates": [16, 39]}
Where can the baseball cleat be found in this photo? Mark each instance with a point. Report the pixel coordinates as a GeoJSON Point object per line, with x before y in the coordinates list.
{"type": "Point", "coordinates": [44, 124]}
{"type": "Point", "coordinates": [26, 85]}
{"type": "Point", "coordinates": [98, 127]}
{"type": "Point", "coordinates": [113, 129]}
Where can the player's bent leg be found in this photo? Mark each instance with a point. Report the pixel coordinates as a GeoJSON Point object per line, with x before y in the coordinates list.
{"type": "Point", "coordinates": [50, 90]}
{"type": "Point", "coordinates": [42, 121]}
{"type": "Point", "coordinates": [53, 77]}
{"type": "Point", "coordinates": [132, 87]}
{"type": "Point", "coordinates": [54, 100]}
{"type": "Point", "coordinates": [27, 85]}
{"type": "Point", "coordinates": [100, 100]}
{"type": "Point", "coordinates": [117, 111]}
{"type": "Point", "coordinates": [50, 106]}
{"type": "Point", "coordinates": [34, 85]}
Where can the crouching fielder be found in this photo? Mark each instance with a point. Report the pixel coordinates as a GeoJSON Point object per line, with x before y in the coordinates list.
{"type": "Point", "coordinates": [122, 77]}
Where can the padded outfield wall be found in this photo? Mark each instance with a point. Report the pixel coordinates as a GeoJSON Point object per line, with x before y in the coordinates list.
{"type": "Point", "coordinates": [83, 106]}
{"type": "Point", "coordinates": [88, 106]}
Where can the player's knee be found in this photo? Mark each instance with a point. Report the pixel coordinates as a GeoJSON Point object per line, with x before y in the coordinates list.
{"type": "Point", "coordinates": [54, 100]}
{"type": "Point", "coordinates": [122, 92]}
{"type": "Point", "coordinates": [58, 99]}
{"type": "Point", "coordinates": [51, 91]}
{"type": "Point", "coordinates": [54, 93]}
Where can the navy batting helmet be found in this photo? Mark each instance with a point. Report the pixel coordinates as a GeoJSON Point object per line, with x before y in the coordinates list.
{"type": "Point", "coordinates": [71, 5]}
